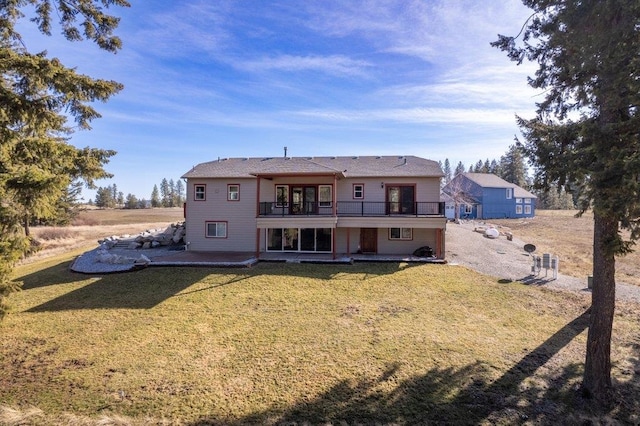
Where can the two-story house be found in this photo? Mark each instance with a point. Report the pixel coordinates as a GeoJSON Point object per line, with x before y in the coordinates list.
{"type": "Point", "coordinates": [487, 196]}
{"type": "Point", "coordinates": [337, 205]}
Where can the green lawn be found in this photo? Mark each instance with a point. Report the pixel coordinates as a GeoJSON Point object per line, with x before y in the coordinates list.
{"type": "Point", "coordinates": [277, 343]}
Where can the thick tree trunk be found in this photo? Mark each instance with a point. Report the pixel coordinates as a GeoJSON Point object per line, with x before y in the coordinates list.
{"type": "Point", "coordinates": [597, 372]}
{"type": "Point", "coordinates": [27, 231]}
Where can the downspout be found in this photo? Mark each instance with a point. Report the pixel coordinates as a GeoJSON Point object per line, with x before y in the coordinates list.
{"type": "Point", "coordinates": [257, 216]}
{"type": "Point", "coordinates": [335, 214]}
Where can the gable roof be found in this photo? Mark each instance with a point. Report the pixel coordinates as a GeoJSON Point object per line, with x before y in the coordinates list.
{"type": "Point", "coordinates": [488, 180]}
{"type": "Point", "coordinates": [353, 167]}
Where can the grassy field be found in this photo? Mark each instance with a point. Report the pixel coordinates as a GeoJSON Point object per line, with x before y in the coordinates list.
{"type": "Point", "coordinates": [284, 343]}
{"type": "Point", "coordinates": [92, 225]}
{"type": "Point", "coordinates": [571, 238]}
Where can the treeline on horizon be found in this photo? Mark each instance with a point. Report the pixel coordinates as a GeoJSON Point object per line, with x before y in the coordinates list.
{"type": "Point", "coordinates": [170, 194]}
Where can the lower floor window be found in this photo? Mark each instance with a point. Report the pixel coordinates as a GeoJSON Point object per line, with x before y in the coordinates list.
{"type": "Point", "coordinates": [299, 239]}
{"type": "Point", "coordinates": [216, 230]}
{"type": "Point", "coordinates": [400, 233]}
{"type": "Point", "coordinates": [527, 209]}
{"type": "Point", "coordinates": [518, 209]}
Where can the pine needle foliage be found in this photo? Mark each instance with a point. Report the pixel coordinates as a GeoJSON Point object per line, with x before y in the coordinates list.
{"type": "Point", "coordinates": [38, 95]}
{"type": "Point", "coordinates": [586, 136]}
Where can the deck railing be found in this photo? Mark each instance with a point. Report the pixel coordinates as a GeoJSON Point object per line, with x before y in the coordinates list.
{"type": "Point", "coordinates": [354, 209]}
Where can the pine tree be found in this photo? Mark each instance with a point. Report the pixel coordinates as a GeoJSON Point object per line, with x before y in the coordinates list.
{"type": "Point", "coordinates": [180, 197]}
{"type": "Point", "coordinates": [447, 171]}
{"type": "Point", "coordinates": [513, 167]}
{"type": "Point", "coordinates": [38, 94]}
{"type": "Point", "coordinates": [172, 193]}
{"type": "Point", "coordinates": [131, 202]}
{"type": "Point", "coordinates": [459, 169]}
{"type": "Point", "coordinates": [165, 192]}
{"type": "Point", "coordinates": [587, 53]}
{"type": "Point", "coordinates": [155, 197]}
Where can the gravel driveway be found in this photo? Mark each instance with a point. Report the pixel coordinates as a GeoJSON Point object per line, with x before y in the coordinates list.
{"type": "Point", "coordinates": [507, 260]}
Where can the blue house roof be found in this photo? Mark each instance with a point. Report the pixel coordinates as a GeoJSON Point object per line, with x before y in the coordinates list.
{"type": "Point", "coordinates": [487, 180]}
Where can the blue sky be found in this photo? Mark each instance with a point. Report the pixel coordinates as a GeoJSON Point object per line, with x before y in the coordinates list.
{"type": "Point", "coordinates": [207, 79]}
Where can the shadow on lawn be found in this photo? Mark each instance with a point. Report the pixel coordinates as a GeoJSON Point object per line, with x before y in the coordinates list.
{"type": "Point", "coordinates": [134, 290]}
{"type": "Point", "coordinates": [147, 288]}
{"type": "Point", "coordinates": [429, 398]}
{"type": "Point", "coordinates": [53, 275]}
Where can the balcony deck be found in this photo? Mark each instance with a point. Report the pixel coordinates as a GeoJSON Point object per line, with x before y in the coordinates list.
{"type": "Point", "coordinates": [353, 209]}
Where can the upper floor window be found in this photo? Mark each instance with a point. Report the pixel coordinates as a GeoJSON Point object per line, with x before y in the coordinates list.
{"type": "Point", "coordinates": [358, 191]}
{"type": "Point", "coordinates": [282, 195]}
{"type": "Point", "coordinates": [519, 200]}
{"type": "Point", "coordinates": [324, 195]}
{"type": "Point", "coordinates": [509, 193]}
{"type": "Point", "coordinates": [233, 192]}
{"type": "Point", "coordinates": [401, 199]}
{"type": "Point", "coordinates": [527, 200]}
{"type": "Point", "coordinates": [199, 192]}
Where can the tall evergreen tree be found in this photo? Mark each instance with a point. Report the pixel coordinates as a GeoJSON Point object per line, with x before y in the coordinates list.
{"type": "Point", "coordinates": [131, 202]}
{"type": "Point", "coordinates": [155, 197]}
{"type": "Point", "coordinates": [172, 193]}
{"type": "Point", "coordinates": [447, 171]}
{"type": "Point", "coordinates": [165, 192]}
{"type": "Point", "coordinates": [459, 169]}
{"type": "Point", "coordinates": [37, 96]}
{"type": "Point", "coordinates": [588, 56]}
{"type": "Point", "coordinates": [179, 193]}
{"type": "Point", "coordinates": [513, 167]}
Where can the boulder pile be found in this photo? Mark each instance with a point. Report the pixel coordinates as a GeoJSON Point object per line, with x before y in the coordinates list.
{"type": "Point", "coordinates": [173, 235]}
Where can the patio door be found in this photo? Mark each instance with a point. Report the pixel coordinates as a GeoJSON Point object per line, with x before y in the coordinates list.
{"type": "Point", "coordinates": [369, 240]}
{"type": "Point", "coordinates": [303, 199]}
{"type": "Point", "coordinates": [401, 199]}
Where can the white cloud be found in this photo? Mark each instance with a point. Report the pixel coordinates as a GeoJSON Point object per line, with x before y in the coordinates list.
{"type": "Point", "coordinates": [334, 64]}
{"type": "Point", "coordinates": [417, 115]}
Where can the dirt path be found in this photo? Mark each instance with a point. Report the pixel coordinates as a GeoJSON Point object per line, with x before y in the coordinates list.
{"type": "Point", "coordinates": [507, 260]}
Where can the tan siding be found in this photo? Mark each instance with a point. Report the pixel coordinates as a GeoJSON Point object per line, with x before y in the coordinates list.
{"type": "Point", "coordinates": [239, 215]}
{"type": "Point", "coordinates": [341, 240]}
{"type": "Point", "coordinates": [421, 237]}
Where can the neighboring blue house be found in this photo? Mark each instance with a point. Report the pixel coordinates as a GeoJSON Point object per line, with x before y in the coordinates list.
{"type": "Point", "coordinates": [486, 196]}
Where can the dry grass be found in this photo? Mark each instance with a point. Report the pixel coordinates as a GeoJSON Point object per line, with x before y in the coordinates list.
{"type": "Point", "coordinates": [92, 225]}
{"type": "Point", "coordinates": [285, 343]}
{"type": "Point", "coordinates": [561, 233]}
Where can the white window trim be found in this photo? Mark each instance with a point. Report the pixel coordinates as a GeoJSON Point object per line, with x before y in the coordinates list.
{"type": "Point", "coordinates": [527, 200]}
{"type": "Point", "coordinates": [361, 191]}
{"type": "Point", "coordinates": [230, 196]}
{"type": "Point", "coordinates": [518, 209]}
{"type": "Point", "coordinates": [196, 192]}
{"type": "Point", "coordinates": [325, 203]}
{"type": "Point", "coordinates": [519, 200]}
{"type": "Point", "coordinates": [527, 209]}
{"type": "Point", "coordinates": [402, 237]}
{"type": "Point", "coordinates": [509, 193]}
